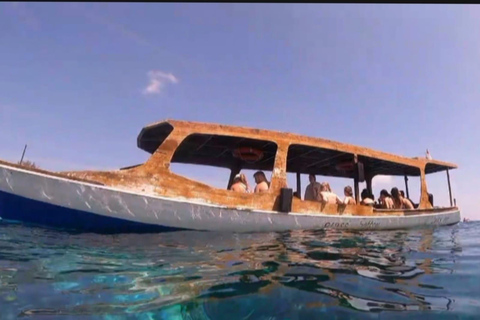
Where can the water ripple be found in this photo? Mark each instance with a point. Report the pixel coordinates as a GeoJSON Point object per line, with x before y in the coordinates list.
{"type": "Point", "coordinates": [47, 274]}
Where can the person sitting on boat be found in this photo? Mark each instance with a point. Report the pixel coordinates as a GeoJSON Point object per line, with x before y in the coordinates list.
{"type": "Point", "coordinates": [327, 185]}
{"type": "Point", "coordinates": [327, 196]}
{"type": "Point", "coordinates": [385, 199]}
{"type": "Point", "coordinates": [261, 181]}
{"type": "Point", "coordinates": [240, 183]}
{"type": "Point", "coordinates": [312, 192]}
{"type": "Point", "coordinates": [403, 196]}
{"type": "Point", "coordinates": [398, 201]}
{"type": "Point", "coordinates": [347, 191]}
{"type": "Point", "coordinates": [367, 198]}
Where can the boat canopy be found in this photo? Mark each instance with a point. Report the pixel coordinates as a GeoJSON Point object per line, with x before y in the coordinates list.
{"type": "Point", "coordinates": [217, 149]}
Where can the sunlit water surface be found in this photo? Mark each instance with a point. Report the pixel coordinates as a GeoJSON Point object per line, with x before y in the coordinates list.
{"type": "Point", "coordinates": [423, 274]}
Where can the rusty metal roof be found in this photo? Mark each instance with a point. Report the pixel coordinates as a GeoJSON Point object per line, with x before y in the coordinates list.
{"type": "Point", "coordinates": [213, 144]}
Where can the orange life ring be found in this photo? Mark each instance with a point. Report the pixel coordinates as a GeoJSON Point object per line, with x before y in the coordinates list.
{"type": "Point", "coordinates": [345, 166]}
{"type": "Point", "coordinates": [248, 154]}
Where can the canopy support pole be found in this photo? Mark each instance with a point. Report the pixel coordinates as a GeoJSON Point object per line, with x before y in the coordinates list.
{"type": "Point", "coordinates": [424, 197]}
{"type": "Point", "coordinates": [449, 188]}
{"type": "Point", "coordinates": [406, 187]}
{"type": "Point", "coordinates": [299, 185]}
{"type": "Point", "coordinates": [368, 180]}
{"type": "Point", "coordinates": [355, 180]}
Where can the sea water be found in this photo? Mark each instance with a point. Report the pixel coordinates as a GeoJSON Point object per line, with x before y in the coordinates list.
{"type": "Point", "coordinates": [323, 274]}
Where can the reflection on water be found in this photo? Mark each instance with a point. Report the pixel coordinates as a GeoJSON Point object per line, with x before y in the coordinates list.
{"type": "Point", "coordinates": [328, 274]}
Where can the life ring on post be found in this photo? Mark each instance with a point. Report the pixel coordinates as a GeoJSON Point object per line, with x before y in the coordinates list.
{"type": "Point", "coordinates": [345, 166]}
{"type": "Point", "coordinates": [248, 154]}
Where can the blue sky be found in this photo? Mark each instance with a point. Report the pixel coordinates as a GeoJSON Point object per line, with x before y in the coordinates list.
{"type": "Point", "coordinates": [78, 80]}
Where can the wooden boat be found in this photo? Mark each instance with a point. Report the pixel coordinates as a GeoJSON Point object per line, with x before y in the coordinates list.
{"type": "Point", "coordinates": [149, 197]}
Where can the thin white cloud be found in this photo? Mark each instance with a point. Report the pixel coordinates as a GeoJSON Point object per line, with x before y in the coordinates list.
{"type": "Point", "coordinates": [158, 80]}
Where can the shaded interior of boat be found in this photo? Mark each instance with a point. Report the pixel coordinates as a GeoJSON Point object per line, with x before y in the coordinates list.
{"type": "Point", "coordinates": [173, 141]}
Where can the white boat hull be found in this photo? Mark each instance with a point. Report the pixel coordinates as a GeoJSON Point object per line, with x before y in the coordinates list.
{"type": "Point", "coordinates": [40, 198]}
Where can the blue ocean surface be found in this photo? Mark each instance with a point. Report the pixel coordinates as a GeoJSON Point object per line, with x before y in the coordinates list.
{"type": "Point", "coordinates": [324, 274]}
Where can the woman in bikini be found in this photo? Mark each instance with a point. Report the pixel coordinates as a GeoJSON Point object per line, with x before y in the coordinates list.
{"type": "Point", "coordinates": [367, 198]}
{"type": "Point", "coordinates": [348, 196]}
{"type": "Point", "coordinates": [240, 183]}
{"type": "Point", "coordinates": [400, 202]}
{"type": "Point", "coordinates": [386, 201]}
{"type": "Point", "coordinates": [327, 195]}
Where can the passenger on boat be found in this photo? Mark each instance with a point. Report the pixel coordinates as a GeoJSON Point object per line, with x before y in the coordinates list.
{"type": "Point", "coordinates": [312, 192]}
{"type": "Point", "coordinates": [240, 183]}
{"type": "Point", "coordinates": [385, 199]}
{"type": "Point", "coordinates": [261, 181]}
{"type": "Point", "coordinates": [328, 186]}
{"type": "Point", "coordinates": [348, 196]}
{"type": "Point", "coordinates": [367, 198]}
{"type": "Point", "coordinates": [403, 196]}
{"type": "Point", "coordinates": [327, 196]}
{"type": "Point", "coordinates": [398, 201]}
